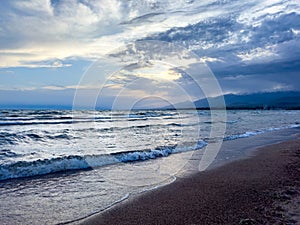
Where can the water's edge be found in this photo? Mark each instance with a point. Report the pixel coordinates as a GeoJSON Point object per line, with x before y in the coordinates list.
{"type": "Point", "coordinates": [275, 137]}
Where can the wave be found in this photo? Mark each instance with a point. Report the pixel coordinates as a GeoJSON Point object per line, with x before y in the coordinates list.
{"type": "Point", "coordinates": [243, 135]}
{"type": "Point", "coordinates": [75, 162]}
{"type": "Point", "coordinates": [38, 117]}
{"type": "Point", "coordinates": [141, 114]}
{"type": "Point", "coordinates": [7, 138]}
{"type": "Point", "coordinates": [253, 133]}
{"type": "Point", "coordinates": [14, 123]}
{"type": "Point", "coordinates": [62, 120]}
{"type": "Point", "coordinates": [6, 153]}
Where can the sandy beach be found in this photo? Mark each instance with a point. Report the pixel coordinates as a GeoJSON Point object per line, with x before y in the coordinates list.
{"type": "Point", "coordinates": [263, 189]}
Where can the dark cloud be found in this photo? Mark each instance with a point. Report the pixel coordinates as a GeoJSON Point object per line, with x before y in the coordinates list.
{"type": "Point", "coordinates": [265, 55]}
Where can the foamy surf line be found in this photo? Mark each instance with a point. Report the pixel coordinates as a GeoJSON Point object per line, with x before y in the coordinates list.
{"type": "Point", "coordinates": [257, 132]}
{"type": "Point", "coordinates": [22, 169]}
{"type": "Point", "coordinates": [54, 165]}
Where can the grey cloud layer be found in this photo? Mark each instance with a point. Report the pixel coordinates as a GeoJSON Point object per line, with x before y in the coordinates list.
{"type": "Point", "coordinates": [265, 54]}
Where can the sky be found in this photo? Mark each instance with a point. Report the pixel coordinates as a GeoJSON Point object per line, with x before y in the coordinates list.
{"type": "Point", "coordinates": [61, 53]}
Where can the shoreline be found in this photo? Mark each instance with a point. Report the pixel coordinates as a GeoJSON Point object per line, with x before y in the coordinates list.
{"type": "Point", "coordinates": [255, 179]}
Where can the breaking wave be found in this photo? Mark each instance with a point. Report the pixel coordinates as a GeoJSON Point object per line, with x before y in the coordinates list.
{"type": "Point", "coordinates": [76, 162]}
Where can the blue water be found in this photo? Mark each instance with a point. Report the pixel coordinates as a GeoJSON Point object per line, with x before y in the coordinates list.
{"type": "Point", "coordinates": [104, 156]}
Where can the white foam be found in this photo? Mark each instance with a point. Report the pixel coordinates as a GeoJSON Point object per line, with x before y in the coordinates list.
{"type": "Point", "coordinates": [253, 133]}
{"type": "Point", "coordinates": [46, 166]}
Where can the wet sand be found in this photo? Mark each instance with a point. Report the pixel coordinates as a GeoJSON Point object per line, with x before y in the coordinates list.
{"type": "Point", "coordinates": [263, 189]}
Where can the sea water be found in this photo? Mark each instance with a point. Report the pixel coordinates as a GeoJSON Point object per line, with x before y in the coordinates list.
{"type": "Point", "coordinates": [60, 166]}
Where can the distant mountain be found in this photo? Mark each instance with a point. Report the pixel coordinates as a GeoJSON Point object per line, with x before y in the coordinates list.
{"type": "Point", "coordinates": [267, 100]}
